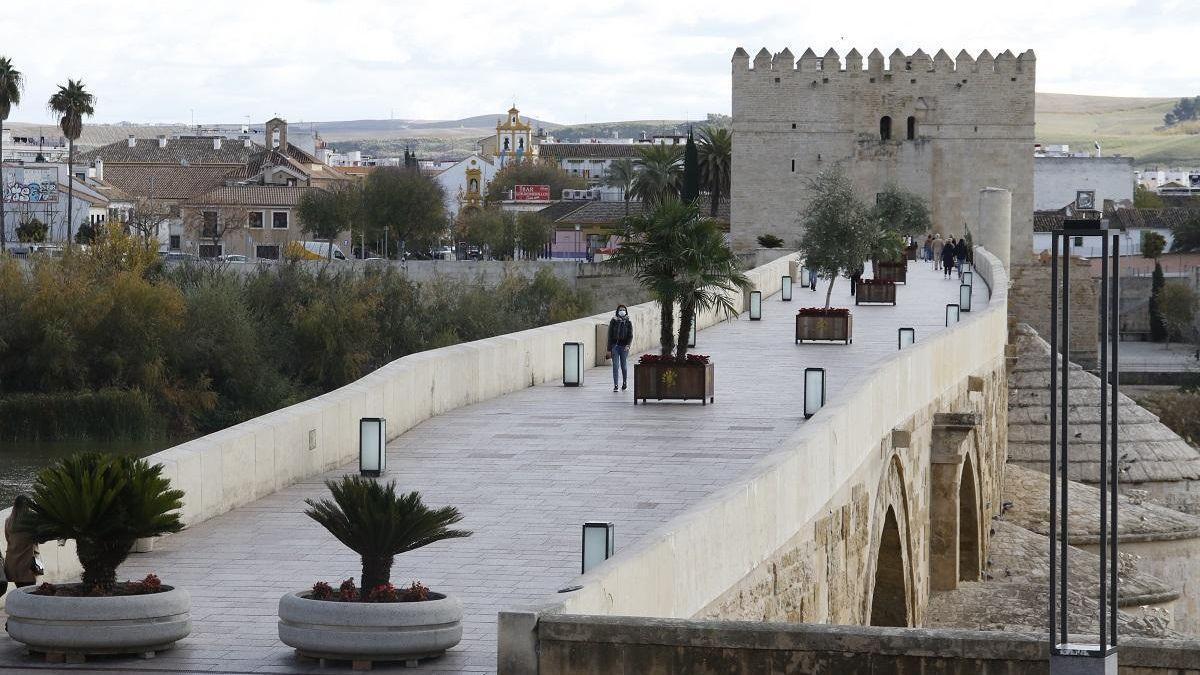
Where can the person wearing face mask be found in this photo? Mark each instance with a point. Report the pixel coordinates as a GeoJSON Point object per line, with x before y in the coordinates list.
{"type": "Point", "coordinates": [620, 336]}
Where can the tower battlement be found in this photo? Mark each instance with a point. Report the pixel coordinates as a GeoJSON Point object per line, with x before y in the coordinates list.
{"type": "Point", "coordinates": [831, 63]}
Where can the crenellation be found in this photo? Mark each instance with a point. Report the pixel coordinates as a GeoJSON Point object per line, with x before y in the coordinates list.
{"type": "Point", "coordinates": [854, 61]}
{"type": "Point", "coordinates": [1006, 63]}
{"type": "Point", "coordinates": [985, 63]}
{"type": "Point", "coordinates": [942, 62]}
{"type": "Point", "coordinates": [920, 62]}
{"type": "Point", "coordinates": [1026, 62]}
{"type": "Point", "coordinates": [875, 61]}
{"type": "Point", "coordinates": [831, 61]}
{"type": "Point", "coordinates": [897, 62]}
{"type": "Point", "coordinates": [762, 60]}
{"type": "Point", "coordinates": [808, 61]}
{"type": "Point", "coordinates": [964, 63]}
{"type": "Point", "coordinates": [784, 60]}
{"type": "Point", "coordinates": [741, 59]}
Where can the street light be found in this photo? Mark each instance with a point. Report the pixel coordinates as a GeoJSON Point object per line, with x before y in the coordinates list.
{"type": "Point", "coordinates": [906, 337]}
{"type": "Point", "coordinates": [599, 543]}
{"type": "Point", "coordinates": [814, 391]}
{"type": "Point", "coordinates": [372, 446]}
{"type": "Point", "coordinates": [573, 364]}
{"type": "Point", "coordinates": [755, 305]}
{"type": "Point", "coordinates": [785, 292]}
{"type": "Point", "coordinates": [952, 314]}
{"type": "Point", "coordinates": [964, 297]}
{"type": "Point", "coordinates": [968, 278]}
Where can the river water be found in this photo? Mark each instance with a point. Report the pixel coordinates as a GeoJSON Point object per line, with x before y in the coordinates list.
{"type": "Point", "coordinates": [21, 461]}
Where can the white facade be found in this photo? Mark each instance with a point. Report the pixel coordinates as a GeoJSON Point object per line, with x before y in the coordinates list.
{"type": "Point", "coordinates": [470, 175]}
{"type": "Point", "coordinates": [1057, 178]}
{"type": "Point", "coordinates": [25, 146]}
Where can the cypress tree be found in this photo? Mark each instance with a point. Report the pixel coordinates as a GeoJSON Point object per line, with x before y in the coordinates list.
{"type": "Point", "coordinates": [691, 171]}
{"type": "Point", "coordinates": [1158, 327]}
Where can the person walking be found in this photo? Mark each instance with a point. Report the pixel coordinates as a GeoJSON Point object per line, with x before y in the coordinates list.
{"type": "Point", "coordinates": [21, 564]}
{"type": "Point", "coordinates": [927, 249]}
{"type": "Point", "coordinates": [620, 336]}
{"type": "Point", "coordinates": [960, 252]}
{"type": "Point", "coordinates": [935, 248]}
{"type": "Point", "coordinates": [812, 279]}
{"type": "Point", "coordinates": [949, 253]}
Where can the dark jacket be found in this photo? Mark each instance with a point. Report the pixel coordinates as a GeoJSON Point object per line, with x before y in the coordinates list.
{"type": "Point", "coordinates": [949, 253]}
{"type": "Point", "coordinates": [620, 332]}
{"type": "Point", "coordinates": [961, 249]}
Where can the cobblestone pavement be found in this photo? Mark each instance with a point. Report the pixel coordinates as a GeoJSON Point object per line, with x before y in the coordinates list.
{"type": "Point", "coordinates": [526, 469]}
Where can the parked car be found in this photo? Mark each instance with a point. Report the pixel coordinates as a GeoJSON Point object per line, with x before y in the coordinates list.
{"type": "Point", "coordinates": [234, 258]}
{"type": "Point", "coordinates": [313, 250]}
{"type": "Point", "coordinates": [179, 256]}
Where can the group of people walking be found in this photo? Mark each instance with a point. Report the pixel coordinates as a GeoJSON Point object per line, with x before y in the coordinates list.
{"type": "Point", "coordinates": [945, 253]}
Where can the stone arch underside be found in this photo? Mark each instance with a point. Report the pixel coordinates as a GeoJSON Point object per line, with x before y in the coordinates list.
{"type": "Point", "coordinates": [890, 586]}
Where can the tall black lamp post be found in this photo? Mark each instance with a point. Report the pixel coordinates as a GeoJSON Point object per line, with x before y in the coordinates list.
{"type": "Point", "coordinates": [1080, 655]}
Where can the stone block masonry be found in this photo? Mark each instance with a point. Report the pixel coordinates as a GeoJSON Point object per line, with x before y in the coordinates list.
{"type": "Point", "coordinates": [944, 128]}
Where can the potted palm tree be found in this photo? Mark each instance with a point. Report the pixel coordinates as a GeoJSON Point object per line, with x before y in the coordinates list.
{"type": "Point", "coordinates": [105, 503]}
{"type": "Point", "coordinates": [680, 258]}
{"type": "Point", "coordinates": [374, 621]}
{"type": "Point", "coordinates": [838, 235]}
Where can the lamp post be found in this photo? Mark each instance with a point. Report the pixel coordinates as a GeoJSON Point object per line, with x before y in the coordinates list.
{"type": "Point", "coordinates": [968, 278]}
{"type": "Point", "coordinates": [372, 446]}
{"type": "Point", "coordinates": [573, 364]}
{"type": "Point", "coordinates": [964, 297]}
{"type": "Point", "coordinates": [906, 337]}
{"type": "Point", "coordinates": [1098, 657]}
{"type": "Point", "coordinates": [952, 314]}
{"type": "Point", "coordinates": [599, 543]}
{"type": "Point", "coordinates": [814, 391]}
{"type": "Point", "coordinates": [785, 291]}
{"type": "Point", "coordinates": [755, 305]}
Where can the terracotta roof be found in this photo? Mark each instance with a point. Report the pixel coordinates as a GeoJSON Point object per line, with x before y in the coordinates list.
{"type": "Point", "coordinates": [157, 181]}
{"type": "Point", "coordinates": [589, 150]}
{"type": "Point", "coordinates": [193, 151]}
{"type": "Point", "coordinates": [250, 195]}
{"type": "Point", "coordinates": [560, 209]}
{"type": "Point", "coordinates": [111, 192]}
{"type": "Point", "coordinates": [1169, 217]}
{"type": "Point", "coordinates": [611, 213]}
{"type": "Point", "coordinates": [1047, 221]}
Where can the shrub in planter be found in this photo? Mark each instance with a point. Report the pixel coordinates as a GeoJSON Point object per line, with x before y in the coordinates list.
{"type": "Point", "coordinates": [105, 503]}
{"type": "Point", "coordinates": [839, 235]}
{"type": "Point", "coordinates": [374, 622]}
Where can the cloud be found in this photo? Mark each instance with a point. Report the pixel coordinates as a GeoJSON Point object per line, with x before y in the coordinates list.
{"type": "Point", "coordinates": [350, 59]}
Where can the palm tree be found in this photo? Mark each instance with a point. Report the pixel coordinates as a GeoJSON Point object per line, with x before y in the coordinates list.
{"type": "Point", "coordinates": [377, 524]}
{"type": "Point", "coordinates": [651, 247]}
{"type": "Point", "coordinates": [622, 174]}
{"type": "Point", "coordinates": [105, 503]}
{"type": "Point", "coordinates": [659, 173]}
{"type": "Point", "coordinates": [71, 103]}
{"type": "Point", "coordinates": [11, 84]}
{"type": "Point", "coordinates": [708, 275]}
{"type": "Point", "coordinates": [716, 152]}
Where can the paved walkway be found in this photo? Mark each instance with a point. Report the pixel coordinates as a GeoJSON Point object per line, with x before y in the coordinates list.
{"type": "Point", "coordinates": [526, 469]}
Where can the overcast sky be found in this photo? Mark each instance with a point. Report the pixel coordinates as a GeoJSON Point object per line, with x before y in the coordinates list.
{"type": "Point", "coordinates": [312, 60]}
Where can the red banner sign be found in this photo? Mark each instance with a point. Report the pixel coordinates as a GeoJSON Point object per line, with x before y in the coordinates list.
{"type": "Point", "coordinates": [531, 193]}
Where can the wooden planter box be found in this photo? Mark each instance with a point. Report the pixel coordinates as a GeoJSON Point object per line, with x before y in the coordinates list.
{"type": "Point", "coordinates": [911, 251]}
{"type": "Point", "coordinates": [895, 271]}
{"type": "Point", "coordinates": [673, 381]}
{"type": "Point", "coordinates": [833, 327]}
{"type": "Point", "coordinates": [881, 293]}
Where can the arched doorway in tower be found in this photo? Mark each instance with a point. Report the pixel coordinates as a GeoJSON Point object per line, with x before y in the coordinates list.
{"type": "Point", "coordinates": [968, 524]}
{"type": "Point", "coordinates": [889, 600]}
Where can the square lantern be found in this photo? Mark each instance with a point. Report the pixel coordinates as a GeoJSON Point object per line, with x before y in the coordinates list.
{"type": "Point", "coordinates": [814, 391]}
{"type": "Point", "coordinates": [599, 543]}
{"type": "Point", "coordinates": [755, 305]}
{"type": "Point", "coordinates": [968, 278]}
{"type": "Point", "coordinates": [692, 334]}
{"type": "Point", "coordinates": [906, 337]}
{"type": "Point", "coordinates": [964, 297]}
{"type": "Point", "coordinates": [372, 446]}
{"type": "Point", "coordinates": [951, 314]}
{"type": "Point", "coordinates": [785, 292]}
{"type": "Point", "coordinates": [573, 364]}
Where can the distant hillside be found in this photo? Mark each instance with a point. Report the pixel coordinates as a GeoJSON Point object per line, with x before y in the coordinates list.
{"type": "Point", "coordinates": [1125, 126]}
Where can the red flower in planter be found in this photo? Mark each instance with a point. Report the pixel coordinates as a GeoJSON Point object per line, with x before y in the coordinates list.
{"type": "Point", "coordinates": [659, 358]}
{"type": "Point", "coordinates": [418, 592]}
{"type": "Point", "coordinates": [348, 592]}
{"type": "Point", "coordinates": [876, 282]}
{"type": "Point", "coordinates": [322, 591]}
{"type": "Point", "coordinates": [822, 311]}
{"type": "Point", "coordinates": [383, 593]}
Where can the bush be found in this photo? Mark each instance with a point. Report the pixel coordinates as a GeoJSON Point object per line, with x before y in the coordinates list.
{"type": "Point", "coordinates": [1179, 411]}
{"type": "Point", "coordinates": [769, 241]}
{"type": "Point", "coordinates": [107, 414]}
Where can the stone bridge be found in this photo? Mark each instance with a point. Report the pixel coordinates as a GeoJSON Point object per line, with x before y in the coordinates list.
{"type": "Point", "coordinates": [741, 510]}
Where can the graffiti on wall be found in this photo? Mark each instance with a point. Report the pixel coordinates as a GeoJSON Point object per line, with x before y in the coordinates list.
{"type": "Point", "coordinates": [27, 185]}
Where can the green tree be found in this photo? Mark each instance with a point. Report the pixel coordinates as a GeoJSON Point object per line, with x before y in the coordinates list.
{"type": "Point", "coordinates": [650, 249]}
{"type": "Point", "coordinates": [11, 85]}
{"type": "Point", "coordinates": [1177, 306]}
{"type": "Point", "coordinates": [324, 214]}
{"type": "Point", "coordinates": [32, 231]}
{"type": "Point", "coordinates": [72, 102]}
{"type": "Point", "coordinates": [492, 230]}
{"type": "Point", "coordinates": [378, 524]}
{"type": "Point", "coordinates": [621, 174]}
{"type": "Point", "coordinates": [769, 241]}
{"type": "Point", "coordinates": [1153, 244]}
{"type": "Point", "coordinates": [839, 232]}
{"type": "Point", "coordinates": [1144, 198]}
{"type": "Point", "coordinates": [533, 232]}
{"type": "Point", "coordinates": [1185, 236]}
{"type": "Point", "coordinates": [716, 161]}
{"type": "Point", "coordinates": [708, 273]}
{"type": "Point", "coordinates": [901, 211]}
{"type": "Point", "coordinates": [530, 172]}
{"type": "Point", "coordinates": [405, 204]}
{"type": "Point", "coordinates": [690, 187]}
{"type": "Point", "coordinates": [659, 174]}
{"type": "Point", "coordinates": [105, 503]}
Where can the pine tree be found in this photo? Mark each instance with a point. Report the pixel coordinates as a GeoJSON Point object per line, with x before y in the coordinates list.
{"type": "Point", "coordinates": [691, 171]}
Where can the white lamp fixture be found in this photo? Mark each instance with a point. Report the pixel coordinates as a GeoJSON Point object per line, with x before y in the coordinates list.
{"type": "Point", "coordinates": [785, 292]}
{"type": "Point", "coordinates": [573, 364]}
{"type": "Point", "coordinates": [599, 543]}
{"type": "Point", "coordinates": [907, 337]}
{"type": "Point", "coordinates": [951, 314]}
{"type": "Point", "coordinates": [755, 305]}
{"type": "Point", "coordinates": [968, 278]}
{"type": "Point", "coordinates": [372, 446]}
{"type": "Point", "coordinates": [814, 391]}
{"type": "Point", "coordinates": [964, 297]}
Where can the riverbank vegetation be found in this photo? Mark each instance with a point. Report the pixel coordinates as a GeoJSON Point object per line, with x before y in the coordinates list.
{"type": "Point", "coordinates": [109, 343]}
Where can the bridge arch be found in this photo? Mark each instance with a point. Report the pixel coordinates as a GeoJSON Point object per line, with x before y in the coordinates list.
{"type": "Point", "coordinates": [968, 522]}
{"type": "Point", "coordinates": [888, 597]}
{"type": "Point", "coordinates": [957, 539]}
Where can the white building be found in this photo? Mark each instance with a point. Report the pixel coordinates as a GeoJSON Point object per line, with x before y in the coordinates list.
{"type": "Point", "coordinates": [1056, 179]}
{"type": "Point", "coordinates": [40, 144]}
{"type": "Point", "coordinates": [1183, 182]}
{"type": "Point", "coordinates": [465, 182]}
{"type": "Point", "coordinates": [588, 160]}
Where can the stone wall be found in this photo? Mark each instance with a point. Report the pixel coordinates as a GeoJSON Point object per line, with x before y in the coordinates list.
{"type": "Point", "coordinates": [578, 645]}
{"type": "Point", "coordinates": [795, 118]}
{"type": "Point", "coordinates": [1030, 294]}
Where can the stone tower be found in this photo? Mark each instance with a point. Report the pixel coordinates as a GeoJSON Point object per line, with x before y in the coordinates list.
{"type": "Point", "coordinates": [944, 128]}
{"type": "Point", "coordinates": [275, 134]}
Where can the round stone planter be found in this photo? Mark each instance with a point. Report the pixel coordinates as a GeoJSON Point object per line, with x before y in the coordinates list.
{"type": "Point", "coordinates": [71, 628]}
{"type": "Point", "coordinates": [364, 632]}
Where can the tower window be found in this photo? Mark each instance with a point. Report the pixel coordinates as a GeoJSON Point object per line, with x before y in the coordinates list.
{"type": "Point", "coordinates": [912, 128]}
{"type": "Point", "coordinates": [885, 128]}
{"type": "Point", "coordinates": [793, 166]}
{"type": "Point", "coordinates": [793, 125]}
